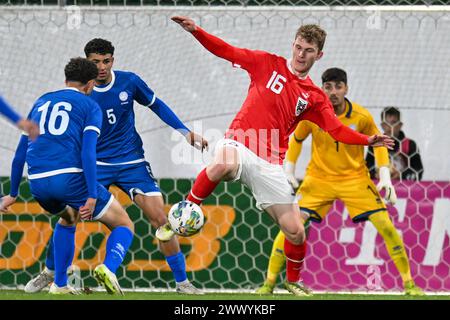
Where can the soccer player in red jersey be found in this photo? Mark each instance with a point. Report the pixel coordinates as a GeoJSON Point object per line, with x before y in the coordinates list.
{"type": "Point", "coordinates": [280, 95]}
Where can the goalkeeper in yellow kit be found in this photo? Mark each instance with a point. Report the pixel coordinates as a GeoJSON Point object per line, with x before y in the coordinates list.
{"type": "Point", "coordinates": [338, 171]}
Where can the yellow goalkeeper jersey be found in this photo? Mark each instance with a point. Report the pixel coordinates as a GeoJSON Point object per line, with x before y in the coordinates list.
{"type": "Point", "coordinates": [334, 160]}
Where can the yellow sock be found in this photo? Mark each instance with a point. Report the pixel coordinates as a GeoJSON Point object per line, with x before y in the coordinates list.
{"type": "Point", "coordinates": [277, 259]}
{"type": "Point", "coordinates": [393, 242]}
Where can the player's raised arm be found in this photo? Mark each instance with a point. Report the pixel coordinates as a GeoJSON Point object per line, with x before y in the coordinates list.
{"type": "Point", "coordinates": [243, 57]}
{"type": "Point", "coordinates": [145, 96]}
{"type": "Point", "coordinates": [323, 115]}
{"type": "Point", "coordinates": [349, 136]}
{"type": "Point", "coordinates": [16, 173]}
{"type": "Point", "coordinates": [8, 111]}
{"type": "Point", "coordinates": [31, 128]}
{"type": "Point", "coordinates": [169, 117]}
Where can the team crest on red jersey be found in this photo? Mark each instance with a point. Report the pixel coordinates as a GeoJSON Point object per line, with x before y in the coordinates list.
{"type": "Point", "coordinates": [301, 106]}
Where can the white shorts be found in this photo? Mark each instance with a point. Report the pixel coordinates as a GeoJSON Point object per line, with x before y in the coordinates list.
{"type": "Point", "coordinates": [267, 181]}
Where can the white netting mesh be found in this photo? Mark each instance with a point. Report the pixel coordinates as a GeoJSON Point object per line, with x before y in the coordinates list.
{"type": "Point", "coordinates": [393, 56]}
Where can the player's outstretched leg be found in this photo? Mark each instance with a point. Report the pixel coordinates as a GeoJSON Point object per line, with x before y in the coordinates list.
{"type": "Point", "coordinates": [203, 187]}
{"type": "Point", "coordinates": [224, 166]}
{"type": "Point", "coordinates": [153, 208]}
{"type": "Point", "coordinates": [276, 262]}
{"type": "Point", "coordinates": [396, 249]}
{"type": "Point", "coordinates": [294, 282]}
{"type": "Point", "coordinates": [291, 222]}
{"type": "Point", "coordinates": [122, 231]}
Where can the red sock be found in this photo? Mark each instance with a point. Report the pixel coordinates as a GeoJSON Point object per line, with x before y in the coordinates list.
{"type": "Point", "coordinates": [202, 188]}
{"type": "Point", "coordinates": [295, 254]}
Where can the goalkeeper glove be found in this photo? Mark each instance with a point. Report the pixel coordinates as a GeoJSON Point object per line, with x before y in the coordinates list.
{"type": "Point", "coordinates": [289, 170]}
{"type": "Point", "coordinates": [386, 184]}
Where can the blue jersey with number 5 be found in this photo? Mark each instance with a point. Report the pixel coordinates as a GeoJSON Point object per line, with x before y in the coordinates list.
{"type": "Point", "coordinates": [119, 141]}
{"type": "Point", "coordinates": [62, 116]}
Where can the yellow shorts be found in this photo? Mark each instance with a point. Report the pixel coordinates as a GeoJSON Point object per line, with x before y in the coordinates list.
{"type": "Point", "coordinates": [360, 196]}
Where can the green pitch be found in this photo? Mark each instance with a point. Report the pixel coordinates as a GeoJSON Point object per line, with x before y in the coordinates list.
{"type": "Point", "coordinates": [19, 295]}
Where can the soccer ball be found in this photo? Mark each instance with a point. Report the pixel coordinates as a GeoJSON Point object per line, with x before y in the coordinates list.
{"type": "Point", "coordinates": [186, 218]}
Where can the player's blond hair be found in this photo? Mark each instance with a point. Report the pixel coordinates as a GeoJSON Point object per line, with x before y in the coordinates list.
{"type": "Point", "coordinates": [312, 33]}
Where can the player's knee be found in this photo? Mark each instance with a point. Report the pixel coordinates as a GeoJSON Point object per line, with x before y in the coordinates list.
{"type": "Point", "coordinates": [296, 236]}
{"type": "Point", "coordinates": [159, 220]}
{"type": "Point", "coordinates": [217, 171]}
{"type": "Point", "coordinates": [156, 215]}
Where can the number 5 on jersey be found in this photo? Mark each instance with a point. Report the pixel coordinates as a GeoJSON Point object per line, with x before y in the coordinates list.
{"type": "Point", "coordinates": [276, 82]}
{"type": "Point", "coordinates": [111, 116]}
{"type": "Point", "coordinates": [54, 115]}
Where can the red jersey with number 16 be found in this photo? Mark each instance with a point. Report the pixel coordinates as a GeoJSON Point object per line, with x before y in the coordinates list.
{"type": "Point", "coordinates": [277, 100]}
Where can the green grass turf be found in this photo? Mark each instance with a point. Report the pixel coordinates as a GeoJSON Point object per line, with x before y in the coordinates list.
{"type": "Point", "coordinates": [20, 295]}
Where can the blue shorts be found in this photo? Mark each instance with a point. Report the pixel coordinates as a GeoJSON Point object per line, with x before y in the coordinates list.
{"type": "Point", "coordinates": [68, 189]}
{"type": "Point", "coordinates": [132, 179]}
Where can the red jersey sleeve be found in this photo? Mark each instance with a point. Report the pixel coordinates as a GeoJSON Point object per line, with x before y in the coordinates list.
{"type": "Point", "coordinates": [241, 57]}
{"type": "Point", "coordinates": [348, 136]}
{"type": "Point", "coordinates": [322, 114]}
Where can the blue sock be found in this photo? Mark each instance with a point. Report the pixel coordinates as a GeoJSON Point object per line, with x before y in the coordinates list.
{"type": "Point", "coordinates": [50, 259]}
{"type": "Point", "coordinates": [64, 249]}
{"type": "Point", "coordinates": [178, 266]}
{"type": "Point", "coordinates": [117, 246]}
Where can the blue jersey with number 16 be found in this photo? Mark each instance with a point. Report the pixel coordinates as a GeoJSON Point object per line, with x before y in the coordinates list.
{"type": "Point", "coordinates": [62, 116]}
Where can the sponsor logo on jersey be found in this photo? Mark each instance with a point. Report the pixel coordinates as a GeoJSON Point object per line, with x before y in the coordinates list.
{"type": "Point", "coordinates": [301, 106]}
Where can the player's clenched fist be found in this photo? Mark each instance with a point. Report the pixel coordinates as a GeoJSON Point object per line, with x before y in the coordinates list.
{"type": "Point", "coordinates": [187, 23]}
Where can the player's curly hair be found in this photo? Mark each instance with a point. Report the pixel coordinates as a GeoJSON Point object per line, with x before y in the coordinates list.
{"type": "Point", "coordinates": [81, 70]}
{"type": "Point", "coordinates": [99, 46]}
{"type": "Point", "coordinates": [312, 33]}
{"type": "Point", "coordinates": [334, 74]}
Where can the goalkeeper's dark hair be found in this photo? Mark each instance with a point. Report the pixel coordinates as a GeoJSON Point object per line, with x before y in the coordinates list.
{"type": "Point", "coordinates": [99, 46]}
{"type": "Point", "coordinates": [392, 111]}
{"type": "Point", "coordinates": [335, 75]}
{"type": "Point", "coordinates": [81, 70]}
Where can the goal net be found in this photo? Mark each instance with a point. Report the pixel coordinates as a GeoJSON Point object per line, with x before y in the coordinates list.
{"type": "Point", "coordinates": [394, 56]}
